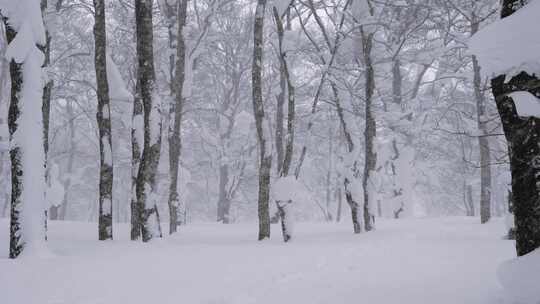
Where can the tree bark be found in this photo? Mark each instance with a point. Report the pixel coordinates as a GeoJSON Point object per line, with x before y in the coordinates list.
{"type": "Point", "coordinates": [483, 141]}
{"type": "Point", "coordinates": [176, 109]}
{"type": "Point", "coordinates": [22, 116]}
{"type": "Point", "coordinates": [224, 202]}
{"type": "Point", "coordinates": [16, 243]}
{"type": "Point", "coordinates": [147, 196]}
{"type": "Point", "coordinates": [371, 126]}
{"type": "Point", "coordinates": [104, 124]}
{"type": "Point", "coordinates": [62, 213]}
{"type": "Point", "coordinates": [265, 158]}
{"type": "Point", "coordinates": [285, 152]}
{"type": "Point", "coordinates": [46, 101]}
{"type": "Point", "coordinates": [523, 136]}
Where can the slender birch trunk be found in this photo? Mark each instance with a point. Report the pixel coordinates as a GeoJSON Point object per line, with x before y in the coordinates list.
{"type": "Point", "coordinates": [176, 109]}
{"type": "Point", "coordinates": [483, 142]}
{"type": "Point", "coordinates": [104, 124]}
{"type": "Point", "coordinates": [265, 156]}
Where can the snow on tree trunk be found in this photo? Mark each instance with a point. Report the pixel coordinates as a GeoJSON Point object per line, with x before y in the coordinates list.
{"type": "Point", "coordinates": [146, 190]}
{"type": "Point", "coordinates": [176, 109]}
{"type": "Point", "coordinates": [25, 32]}
{"type": "Point", "coordinates": [514, 60]}
{"type": "Point", "coordinates": [284, 152]}
{"type": "Point", "coordinates": [47, 90]}
{"type": "Point", "coordinates": [104, 124]}
{"type": "Point", "coordinates": [265, 156]}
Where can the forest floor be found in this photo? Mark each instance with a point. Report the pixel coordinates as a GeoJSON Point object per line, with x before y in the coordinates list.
{"type": "Point", "coordinates": [443, 261]}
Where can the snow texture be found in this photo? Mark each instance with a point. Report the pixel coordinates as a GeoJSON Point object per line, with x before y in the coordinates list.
{"type": "Point", "coordinates": [519, 278]}
{"type": "Point", "coordinates": [117, 86]}
{"type": "Point", "coordinates": [290, 189]}
{"type": "Point", "coordinates": [222, 264]}
{"type": "Point", "coordinates": [527, 104]}
{"type": "Point", "coordinates": [55, 191]}
{"type": "Point", "coordinates": [508, 46]}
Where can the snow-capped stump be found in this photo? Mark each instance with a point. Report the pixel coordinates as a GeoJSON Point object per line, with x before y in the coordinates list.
{"type": "Point", "coordinates": [519, 278]}
{"type": "Point", "coordinates": [287, 190]}
{"type": "Point", "coordinates": [527, 104]}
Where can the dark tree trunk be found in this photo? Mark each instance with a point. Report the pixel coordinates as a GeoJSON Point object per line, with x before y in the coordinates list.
{"type": "Point", "coordinates": [265, 158]}
{"type": "Point", "coordinates": [15, 242]}
{"type": "Point", "coordinates": [224, 201]}
{"type": "Point", "coordinates": [523, 136]}
{"type": "Point", "coordinates": [176, 109]}
{"type": "Point", "coordinates": [136, 151]}
{"type": "Point", "coordinates": [104, 124]}
{"type": "Point", "coordinates": [371, 126]}
{"type": "Point", "coordinates": [147, 175]}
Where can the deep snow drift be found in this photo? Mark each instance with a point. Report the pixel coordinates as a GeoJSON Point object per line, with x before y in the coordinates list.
{"type": "Point", "coordinates": [447, 260]}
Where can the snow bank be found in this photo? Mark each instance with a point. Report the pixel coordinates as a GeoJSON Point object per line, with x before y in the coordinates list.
{"type": "Point", "coordinates": [510, 45]}
{"type": "Point", "coordinates": [520, 278]}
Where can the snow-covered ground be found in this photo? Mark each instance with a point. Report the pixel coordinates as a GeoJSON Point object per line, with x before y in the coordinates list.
{"type": "Point", "coordinates": [446, 260]}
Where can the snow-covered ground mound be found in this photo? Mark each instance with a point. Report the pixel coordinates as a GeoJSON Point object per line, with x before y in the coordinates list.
{"type": "Point", "coordinates": [520, 278]}
{"type": "Point", "coordinates": [448, 260]}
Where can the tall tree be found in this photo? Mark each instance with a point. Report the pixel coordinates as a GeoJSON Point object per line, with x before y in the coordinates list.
{"type": "Point", "coordinates": [146, 190]}
{"type": "Point", "coordinates": [104, 123]}
{"type": "Point", "coordinates": [26, 39]}
{"type": "Point", "coordinates": [176, 109]}
{"type": "Point", "coordinates": [285, 147]}
{"type": "Point", "coordinates": [265, 156]}
{"type": "Point", "coordinates": [523, 136]}
{"type": "Point", "coordinates": [370, 131]}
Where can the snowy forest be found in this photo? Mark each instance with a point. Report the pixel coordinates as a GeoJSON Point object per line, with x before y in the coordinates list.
{"type": "Point", "coordinates": [269, 151]}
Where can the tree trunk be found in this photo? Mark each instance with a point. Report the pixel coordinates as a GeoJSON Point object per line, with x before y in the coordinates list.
{"type": "Point", "coordinates": [104, 124]}
{"type": "Point", "coordinates": [27, 167]}
{"type": "Point", "coordinates": [137, 135]}
{"type": "Point", "coordinates": [285, 152]}
{"type": "Point", "coordinates": [176, 109]}
{"type": "Point", "coordinates": [523, 135]}
{"type": "Point", "coordinates": [147, 195]}
{"type": "Point", "coordinates": [483, 142]}
{"type": "Point", "coordinates": [62, 212]}
{"type": "Point", "coordinates": [469, 202]}
{"type": "Point", "coordinates": [371, 127]}
{"type": "Point", "coordinates": [224, 202]}
{"type": "Point", "coordinates": [265, 158]}
{"type": "Point", "coordinates": [340, 202]}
